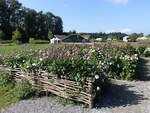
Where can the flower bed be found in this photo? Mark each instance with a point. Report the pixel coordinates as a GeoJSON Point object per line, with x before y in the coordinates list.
{"type": "Point", "coordinates": [72, 66]}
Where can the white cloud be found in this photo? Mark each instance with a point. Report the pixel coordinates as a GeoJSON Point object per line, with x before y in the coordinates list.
{"type": "Point", "coordinates": [126, 30]}
{"type": "Point", "coordinates": [119, 1]}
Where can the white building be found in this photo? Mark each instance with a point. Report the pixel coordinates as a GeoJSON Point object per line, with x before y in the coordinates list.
{"type": "Point", "coordinates": [55, 40]}
{"type": "Point", "coordinates": [99, 39]}
{"type": "Point", "coordinates": [126, 38]}
{"type": "Point", "coordinates": [109, 39]}
{"type": "Point", "coordinates": [142, 38]}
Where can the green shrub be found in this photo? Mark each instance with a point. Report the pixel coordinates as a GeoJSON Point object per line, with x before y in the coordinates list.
{"type": "Point", "coordinates": [140, 50]}
{"type": "Point", "coordinates": [147, 52]}
{"type": "Point", "coordinates": [32, 40]}
{"type": "Point", "coordinates": [31, 65]}
{"type": "Point", "coordinates": [5, 78]}
{"type": "Point", "coordinates": [50, 35]}
{"type": "Point", "coordinates": [17, 36]}
{"type": "Point", "coordinates": [15, 61]}
{"type": "Point", "coordinates": [24, 90]}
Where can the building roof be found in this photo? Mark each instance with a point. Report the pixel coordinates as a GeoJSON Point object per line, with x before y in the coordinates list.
{"type": "Point", "coordinates": [85, 36]}
{"type": "Point", "coordinates": [62, 37]}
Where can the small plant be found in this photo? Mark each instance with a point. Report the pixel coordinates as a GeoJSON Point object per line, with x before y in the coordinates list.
{"type": "Point", "coordinates": [17, 36]}
{"type": "Point", "coordinates": [31, 65]}
{"type": "Point", "coordinates": [5, 78]}
{"type": "Point", "coordinates": [24, 90]}
{"type": "Point", "coordinates": [32, 40]}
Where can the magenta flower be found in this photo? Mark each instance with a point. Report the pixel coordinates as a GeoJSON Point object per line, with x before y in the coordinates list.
{"type": "Point", "coordinates": [65, 47]}
{"type": "Point", "coordinates": [68, 54]}
{"type": "Point", "coordinates": [110, 57]}
{"type": "Point", "coordinates": [87, 57]}
{"type": "Point", "coordinates": [61, 55]}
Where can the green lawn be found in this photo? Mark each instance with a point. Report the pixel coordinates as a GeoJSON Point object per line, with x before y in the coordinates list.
{"type": "Point", "coordinates": [5, 49]}
{"type": "Point", "coordinates": [6, 97]}
{"type": "Point", "coordinates": [6, 90]}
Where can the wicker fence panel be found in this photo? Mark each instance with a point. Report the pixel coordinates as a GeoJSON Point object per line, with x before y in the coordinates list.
{"type": "Point", "coordinates": [60, 87]}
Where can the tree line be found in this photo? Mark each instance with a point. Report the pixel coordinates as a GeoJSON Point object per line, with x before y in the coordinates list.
{"type": "Point", "coordinates": [28, 22]}
{"type": "Point", "coordinates": [113, 36]}
{"type": "Point", "coordinates": [105, 36]}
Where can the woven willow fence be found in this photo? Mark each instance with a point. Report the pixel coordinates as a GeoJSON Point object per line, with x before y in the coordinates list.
{"type": "Point", "coordinates": [60, 87]}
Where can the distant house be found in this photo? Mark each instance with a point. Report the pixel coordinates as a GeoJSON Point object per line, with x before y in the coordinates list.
{"type": "Point", "coordinates": [99, 39]}
{"type": "Point", "coordinates": [109, 39]}
{"type": "Point", "coordinates": [55, 40]}
{"type": "Point", "coordinates": [142, 38]}
{"type": "Point", "coordinates": [126, 38]}
{"type": "Point", "coordinates": [74, 38]}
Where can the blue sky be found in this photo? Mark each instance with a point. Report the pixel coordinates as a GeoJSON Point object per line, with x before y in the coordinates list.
{"type": "Point", "coordinates": [98, 15]}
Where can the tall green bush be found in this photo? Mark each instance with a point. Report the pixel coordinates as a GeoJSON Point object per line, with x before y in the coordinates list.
{"type": "Point", "coordinates": [17, 36]}
{"type": "Point", "coordinates": [32, 40]}
{"type": "Point", "coordinates": [50, 35]}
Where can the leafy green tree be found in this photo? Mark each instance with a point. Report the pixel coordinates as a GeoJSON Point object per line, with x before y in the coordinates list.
{"type": "Point", "coordinates": [32, 40]}
{"type": "Point", "coordinates": [30, 22]}
{"type": "Point", "coordinates": [57, 25]}
{"type": "Point", "coordinates": [8, 11]}
{"type": "Point", "coordinates": [17, 36]}
{"type": "Point", "coordinates": [50, 35]}
{"type": "Point", "coordinates": [148, 36]}
{"type": "Point", "coordinates": [72, 32]}
{"type": "Point", "coordinates": [134, 36]}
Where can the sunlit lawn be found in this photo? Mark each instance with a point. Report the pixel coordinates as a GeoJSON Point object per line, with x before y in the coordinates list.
{"type": "Point", "coordinates": [6, 49]}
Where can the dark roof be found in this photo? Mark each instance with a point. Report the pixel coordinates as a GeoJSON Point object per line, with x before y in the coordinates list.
{"type": "Point", "coordinates": [62, 37]}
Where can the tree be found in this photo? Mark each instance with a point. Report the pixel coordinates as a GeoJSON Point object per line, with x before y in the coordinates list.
{"type": "Point", "coordinates": [8, 10]}
{"type": "Point", "coordinates": [30, 22]}
{"type": "Point", "coordinates": [148, 36]}
{"type": "Point", "coordinates": [17, 36]}
{"type": "Point", "coordinates": [2, 35]}
{"type": "Point", "coordinates": [57, 25]}
{"type": "Point", "coordinates": [50, 35]}
{"type": "Point", "coordinates": [134, 36]}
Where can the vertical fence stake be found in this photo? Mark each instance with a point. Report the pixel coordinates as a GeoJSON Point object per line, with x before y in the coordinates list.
{"type": "Point", "coordinates": [46, 93]}
{"type": "Point", "coordinates": [90, 85]}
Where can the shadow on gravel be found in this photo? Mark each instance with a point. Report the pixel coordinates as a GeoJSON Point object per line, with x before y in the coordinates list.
{"type": "Point", "coordinates": [118, 95]}
{"type": "Point", "coordinates": [143, 71]}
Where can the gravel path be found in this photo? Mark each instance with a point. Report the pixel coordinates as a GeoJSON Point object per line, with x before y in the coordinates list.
{"type": "Point", "coordinates": [120, 97]}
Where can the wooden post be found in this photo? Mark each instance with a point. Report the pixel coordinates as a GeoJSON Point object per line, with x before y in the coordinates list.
{"type": "Point", "coordinates": [47, 93]}
{"type": "Point", "coordinates": [90, 86]}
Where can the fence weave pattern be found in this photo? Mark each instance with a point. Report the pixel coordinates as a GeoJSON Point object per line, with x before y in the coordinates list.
{"type": "Point", "coordinates": [50, 83]}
